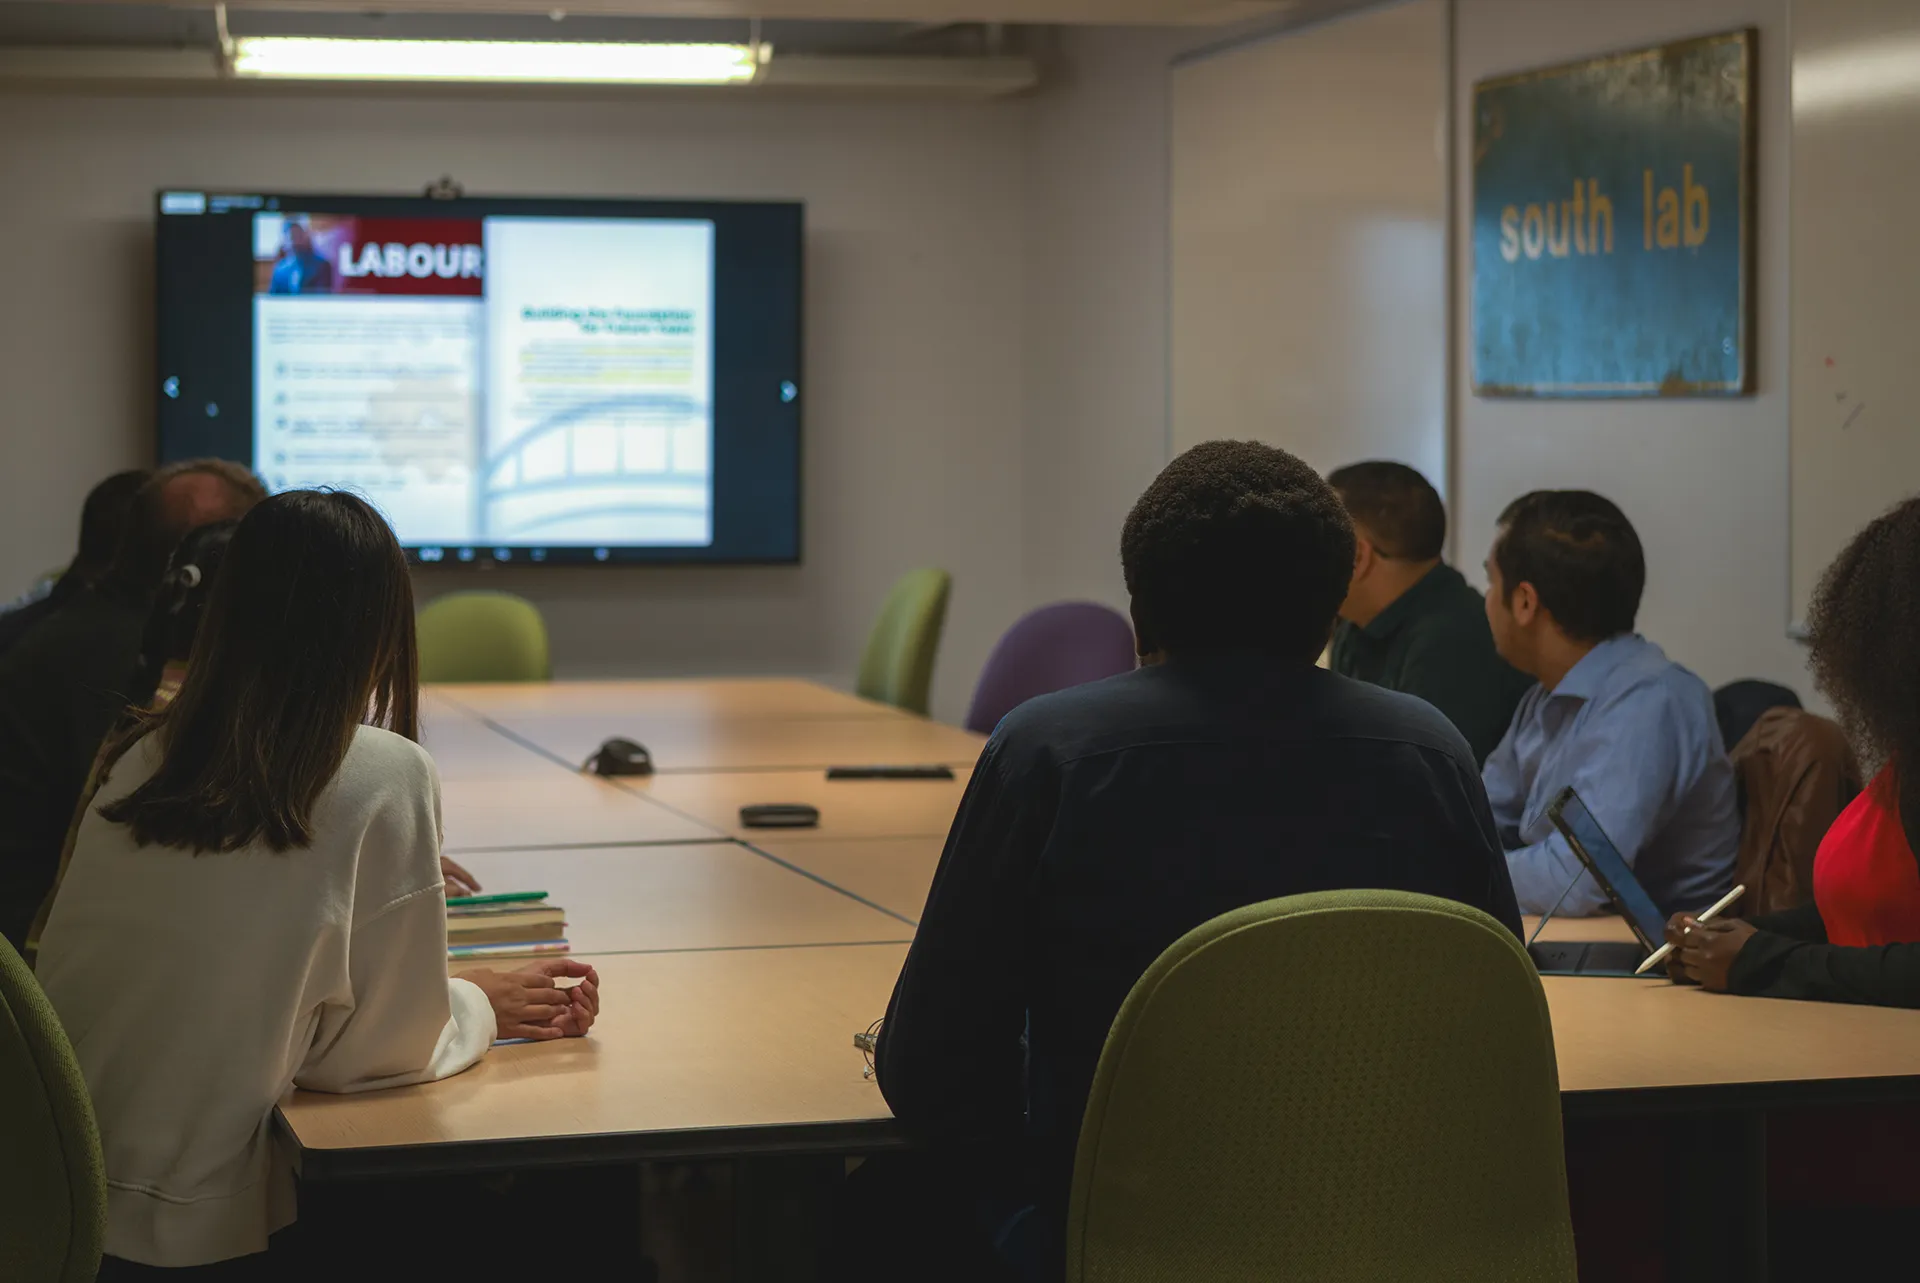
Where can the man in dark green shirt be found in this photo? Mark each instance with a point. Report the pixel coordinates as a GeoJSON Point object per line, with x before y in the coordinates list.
{"type": "Point", "coordinates": [1410, 622]}
{"type": "Point", "coordinates": [62, 687]}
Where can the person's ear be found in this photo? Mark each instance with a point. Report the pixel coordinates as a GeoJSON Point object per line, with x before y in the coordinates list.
{"type": "Point", "coordinates": [1524, 604]}
{"type": "Point", "coordinates": [1365, 557]}
{"type": "Point", "coordinates": [1144, 645]}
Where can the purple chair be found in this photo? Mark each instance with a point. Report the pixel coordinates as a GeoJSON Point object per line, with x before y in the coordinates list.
{"type": "Point", "coordinates": [1050, 649]}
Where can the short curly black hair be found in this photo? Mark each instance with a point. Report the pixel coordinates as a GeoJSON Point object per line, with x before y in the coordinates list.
{"type": "Point", "coordinates": [1864, 633]}
{"type": "Point", "coordinates": [1237, 546]}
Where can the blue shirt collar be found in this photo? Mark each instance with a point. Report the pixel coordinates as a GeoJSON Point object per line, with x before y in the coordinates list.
{"type": "Point", "coordinates": [1585, 679]}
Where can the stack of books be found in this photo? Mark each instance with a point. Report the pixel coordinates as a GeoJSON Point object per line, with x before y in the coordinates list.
{"type": "Point", "coordinates": [515, 924]}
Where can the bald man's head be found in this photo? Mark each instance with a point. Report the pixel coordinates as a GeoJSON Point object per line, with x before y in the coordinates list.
{"type": "Point", "coordinates": [177, 499]}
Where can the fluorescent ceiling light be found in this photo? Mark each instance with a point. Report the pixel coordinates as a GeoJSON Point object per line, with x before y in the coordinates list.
{"type": "Point", "coordinates": [533, 61]}
{"type": "Point", "coordinates": [1852, 77]}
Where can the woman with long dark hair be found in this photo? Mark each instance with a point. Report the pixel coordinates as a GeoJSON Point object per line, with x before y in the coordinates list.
{"type": "Point", "coordinates": [1859, 940]}
{"type": "Point", "coordinates": [255, 898]}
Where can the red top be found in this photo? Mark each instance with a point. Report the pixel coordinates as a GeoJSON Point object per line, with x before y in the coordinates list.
{"type": "Point", "coordinates": [1865, 879]}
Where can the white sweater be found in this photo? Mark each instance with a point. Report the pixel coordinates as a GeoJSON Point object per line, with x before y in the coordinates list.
{"type": "Point", "coordinates": [196, 988]}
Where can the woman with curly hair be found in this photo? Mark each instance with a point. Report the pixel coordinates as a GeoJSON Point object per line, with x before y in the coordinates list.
{"type": "Point", "coordinates": [1859, 941]}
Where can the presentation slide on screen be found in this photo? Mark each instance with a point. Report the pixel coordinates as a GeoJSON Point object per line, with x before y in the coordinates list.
{"type": "Point", "coordinates": [500, 381]}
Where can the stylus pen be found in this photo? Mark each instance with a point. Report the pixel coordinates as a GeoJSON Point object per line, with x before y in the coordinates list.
{"type": "Point", "coordinates": [1659, 955]}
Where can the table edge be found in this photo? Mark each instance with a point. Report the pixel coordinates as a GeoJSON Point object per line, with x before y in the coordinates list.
{"type": "Point", "coordinates": [1765, 1094]}
{"type": "Point", "coordinates": [842, 1137]}
{"type": "Point", "coordinates": [848, 1137]}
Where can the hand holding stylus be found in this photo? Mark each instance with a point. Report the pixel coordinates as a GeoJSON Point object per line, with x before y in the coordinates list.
{"type": "Point", "coordinates": [1687, 924]}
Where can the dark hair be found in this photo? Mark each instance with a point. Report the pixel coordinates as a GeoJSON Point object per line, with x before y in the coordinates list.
{"type": "Point", "coordinates": [104, 516]}
{"type": "Point", "coordinates": [174, 619]}
{"type": "Point", "coordinates": [310, 626]}
{"type": "Point", "coordinates": [1400, 509]}
{"type": "Point", "coordinates": [1582, 557]}
{"type": "Point", "coordinates": [1237, 546]}
{"type": "Point", "coordinates": [1864, 634]}
{"type": "Point", "coordinates": [167, 507]}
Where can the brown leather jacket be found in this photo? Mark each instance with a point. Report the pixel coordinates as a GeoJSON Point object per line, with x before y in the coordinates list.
{"type": "Point", "coordinates": [1797, 773]}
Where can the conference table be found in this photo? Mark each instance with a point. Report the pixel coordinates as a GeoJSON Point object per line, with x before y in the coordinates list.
{"type": "Point", "coordinates": [737, 964]}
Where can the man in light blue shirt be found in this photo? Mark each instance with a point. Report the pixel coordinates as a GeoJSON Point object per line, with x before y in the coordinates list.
{"type": "Point", "coordinates": [1630, 730]}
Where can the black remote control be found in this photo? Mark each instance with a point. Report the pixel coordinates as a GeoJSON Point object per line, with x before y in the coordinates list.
{"type": "Point", "coordinates": [889, 772]}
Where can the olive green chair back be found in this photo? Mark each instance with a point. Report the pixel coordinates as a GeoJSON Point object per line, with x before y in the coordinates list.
{"type": "Point", "coordinates": [483, 636]}
{"type": "Point", "coordinates": [53, 1182]}
{"type": "Point", "coordinates": [1346, 1087]}
{"type": "Point", "coordinates": [897, 667]}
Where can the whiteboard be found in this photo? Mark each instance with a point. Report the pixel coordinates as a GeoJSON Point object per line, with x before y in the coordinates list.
{"type": "Point", "coordinates": [1308, 241]}
{"type": "Point", "coordinates": [1855, 381]}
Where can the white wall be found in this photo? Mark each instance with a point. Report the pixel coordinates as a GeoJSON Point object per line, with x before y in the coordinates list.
{"type": "Point", "coordinates": [1856, 342]}
{"type": "Point", "coordinates": [1309, 241]}
{"type": "Point", "coordinates": [1096, 391]}
{"type": "Point", "coordinates": [915, 331]}
{"type": "Point", "coordinates": [1704, 481]}
{"type": "Point", "coordinates": [987, 336]}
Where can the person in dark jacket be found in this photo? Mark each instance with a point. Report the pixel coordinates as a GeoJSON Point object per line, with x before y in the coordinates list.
{"type": "Point", "coordinates": [1106, 821]}
{"type": "Point", "coordinates": [62, 687]}
{"type": "Point", "coordinates": [102, 517]}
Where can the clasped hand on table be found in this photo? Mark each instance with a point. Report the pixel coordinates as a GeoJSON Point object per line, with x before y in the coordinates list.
{"type": "Point", "coordinates": [530, 1003]}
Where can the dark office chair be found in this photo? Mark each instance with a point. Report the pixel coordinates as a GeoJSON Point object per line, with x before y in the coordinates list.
{"type": "Point", "coordinates": [1738, 705]}
{"type": "Point", "coordinates": [1050, 649]}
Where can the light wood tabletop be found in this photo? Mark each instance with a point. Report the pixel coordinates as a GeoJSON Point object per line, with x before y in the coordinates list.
{"type": "Point", "coordinates": [688, 742]}
{"type": "Point", "coordinates": [432, 702]}
{"type": "Point", "coordinates": [749, 1050]}
{"type": "Point", "coordinates": [893, 873]}
{"type": "Point", "coordinates": [896, 873]}
{"type": "Point", "coordinates": [464, 747]}
{"type": "Point", "coordinates": [1615, 1035]}
{"type": "Point", "coordinates": [714, 895]}
{"type": "Point", "coordinates": [550, 807]}
{"type": "Point", "coordinates": [848, 808]}
{"type": "Point", "coordinates": [734, 978]}
{"type": "Point", "coordinates": [723, 698]}
{"type": "Point", "coordinates": [695, 1053]}
{"type": "Point", "coordinates": [1607, 927]}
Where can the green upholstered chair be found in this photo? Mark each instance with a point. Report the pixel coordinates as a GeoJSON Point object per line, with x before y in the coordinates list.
{"type": "Point", "coordinates": [1346, 1086]}
{"type": "Point", "coordinates": [53, 1183]}
{"type": "Point", "coordinates": [897, 667]}
{"type": "Point", "coordinates": [483, 636]}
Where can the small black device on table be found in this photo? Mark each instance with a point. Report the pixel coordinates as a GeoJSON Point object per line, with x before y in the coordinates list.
{"type": "Point", "coordinates": [780, 815]}
{"type": "Point", "coordinates": [619, 756]}
{"type": "Point", "coordinates": [1600, 859]}
{"type": "Point", "coordinates": [889, 772]}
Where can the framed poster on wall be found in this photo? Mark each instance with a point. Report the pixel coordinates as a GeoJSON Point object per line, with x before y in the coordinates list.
{"type": "Point", "coordinates": [1613, 225]}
